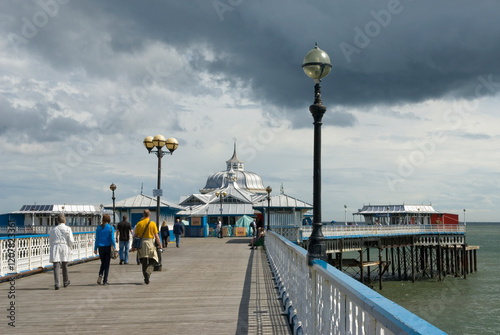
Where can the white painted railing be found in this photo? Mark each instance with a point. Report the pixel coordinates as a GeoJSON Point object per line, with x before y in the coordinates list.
{"type": "Point", "coordinates": [30, 252]}
{"type": "Point", "coordinates": [42, 229]}
{"type": "Point", "coordinates": [320, 299]}
{"type": "Point", "coordinates": [385, 230]}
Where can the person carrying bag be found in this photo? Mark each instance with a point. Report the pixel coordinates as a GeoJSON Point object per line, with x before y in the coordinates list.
{"type": "Point", "coordinates": [137, 241]}
{"type": "Point", "coordinates": [147, 253]}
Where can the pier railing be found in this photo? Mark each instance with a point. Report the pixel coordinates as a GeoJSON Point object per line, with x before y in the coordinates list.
{"type": "Point", "coordinates": [320, 299]}
{"type": "Point", "coordinates": [42, 229]}
{"type": "Point", "coordinates": [374, 230]}
{"type": "Point", "coordinates": [30, 252]}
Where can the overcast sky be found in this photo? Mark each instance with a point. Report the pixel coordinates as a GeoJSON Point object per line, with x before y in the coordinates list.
{"type": "Point", "coordinates": [412, 100]}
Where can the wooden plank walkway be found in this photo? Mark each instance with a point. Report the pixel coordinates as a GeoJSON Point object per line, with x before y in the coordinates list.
{"type": "Point", "coordinates": [207, 286]}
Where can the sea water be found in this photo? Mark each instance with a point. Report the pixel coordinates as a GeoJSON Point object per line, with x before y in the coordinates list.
{"type": "Point", "coordinates": [455, 305]}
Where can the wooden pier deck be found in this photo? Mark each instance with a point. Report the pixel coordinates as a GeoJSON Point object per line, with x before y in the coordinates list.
{"type": "Point", "coordinates": [207, 286]}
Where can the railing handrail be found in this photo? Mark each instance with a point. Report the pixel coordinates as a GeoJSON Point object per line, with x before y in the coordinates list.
{"type": "Point", "coordinates": [21, 253]}
{"type": "Point", "coordinates": [42, 229]}
{"type": "Point", "coordinates": [327, 301]}
{"type": "Point", "coordinates": [376, 230]}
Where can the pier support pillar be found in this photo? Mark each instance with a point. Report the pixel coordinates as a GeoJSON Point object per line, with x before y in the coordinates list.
{"type": "Point", "coordinates": [464, 260]}
{"type": "Point", "coordinates": [362, 275]}
{"type": "Point", "coordinates": [380, 268]}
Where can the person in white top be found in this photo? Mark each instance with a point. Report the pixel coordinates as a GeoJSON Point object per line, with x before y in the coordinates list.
{"type": "Point", "coordinates": [219, 229]}
{"type": "Point", "coordinates": [61, 242]}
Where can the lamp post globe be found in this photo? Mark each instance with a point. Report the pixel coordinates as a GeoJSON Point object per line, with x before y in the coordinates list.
{"type": "Point", "coordinates": [159, 141]}
{"type": "Point", "coordinates": [317, 66]}
{"type": "Point", "coordinates": [148, 143]}
{"type": "Point", "coordinates": [171, 144]}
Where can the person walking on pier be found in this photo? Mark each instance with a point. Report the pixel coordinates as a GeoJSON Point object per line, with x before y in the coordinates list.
{"type": "Point", "coordinates": [103, 240]}
{"type": "Point", "coordinates": [124, 231]}
{"type": "Point", "coordinates": [253, 231]}
{"type": "Point", "coordinates": [165, 234]}
{"type": "Point", "coordinates": [147, 254]}
{"type": "Point", "coordinates": [178, 230]}
{"type": "Point", "coordinates": [219, 229]}
{"type": "Point", "coordinates": [61, 242]}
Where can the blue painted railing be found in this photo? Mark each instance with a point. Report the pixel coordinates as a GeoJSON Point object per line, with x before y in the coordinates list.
{"type": "Point", "coordinates": [320, 299]}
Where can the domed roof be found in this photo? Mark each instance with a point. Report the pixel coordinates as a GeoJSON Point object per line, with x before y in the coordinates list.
{"type": "Point", "coordinates": [235, 172]}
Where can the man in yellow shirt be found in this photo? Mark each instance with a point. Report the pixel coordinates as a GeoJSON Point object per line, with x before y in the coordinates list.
{"type": "Point", "coordinates": [147, 253]}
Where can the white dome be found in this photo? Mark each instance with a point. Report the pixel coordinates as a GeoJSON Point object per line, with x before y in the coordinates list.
{"type": "Point", "coordinates": [246, 180]}
{"type": "Point", "coordinates": [235, 172]}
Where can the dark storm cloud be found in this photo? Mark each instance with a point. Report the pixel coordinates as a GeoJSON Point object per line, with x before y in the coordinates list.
{"type": "Point", "coordinates": [36, 124]}
{"type": "Point", "coordinates": [389, 52]}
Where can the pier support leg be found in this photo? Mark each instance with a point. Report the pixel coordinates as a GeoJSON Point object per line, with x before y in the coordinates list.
{"type": "Point", "coordinates": [422, 260]}
{"type": "Point", "coordinates": [447, 255]}
{"type": "Point", "coordinates": [439, 262]}
{"type": "Point", "coordinates": [413, 260]}
{"type": "Point", "coordinates": [405, 269]}
{"type": "Point", "coordinates": [431, 262]}
{"type": "Point", "coordinates": [475, 260]}
{"type": "Point", "coordinates": [368, 268]}
{"type": "Point", "coordinates": [380, 268]}
{"type": "Point", "coordinates": [392, 262]}
{"type": "Point", "coordinates": [464, 260]}
{"type": "Point", "coordinates": [399, 263]}
{"type": "Point", "coordinates": [340, 256]}
{"type": "Point", "coordinates": [362, 275]}
{"type": "Point", "coordinates": [471, 262]}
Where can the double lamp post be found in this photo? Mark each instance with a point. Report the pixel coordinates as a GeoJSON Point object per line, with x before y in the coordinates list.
{"type": "Point", "coordinates": [159, 142]}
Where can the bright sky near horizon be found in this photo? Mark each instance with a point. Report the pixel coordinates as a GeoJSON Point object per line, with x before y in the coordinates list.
{"type": "Point", "coordinates": [412, 100]}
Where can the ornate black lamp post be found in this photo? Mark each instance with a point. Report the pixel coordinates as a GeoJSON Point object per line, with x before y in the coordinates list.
{"type": "Point", "coordinates": [159, 142]}
{"type": "Point", "coordinates": [112, 187]}
{"type": "Point", "coordinates": [317, 65]}
{"type": "Point", "coordinates": [221, 195]}
{"type": "Point", "coordinates": [268, 190]}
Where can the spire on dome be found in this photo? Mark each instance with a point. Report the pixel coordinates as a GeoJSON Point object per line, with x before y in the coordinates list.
{"type": "Point", "coordinates": [234, 163]}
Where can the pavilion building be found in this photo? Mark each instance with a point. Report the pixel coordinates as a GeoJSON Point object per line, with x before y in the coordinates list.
{"type": "Point", "coordinates": [234, 193]}
{"type": "Point", "coordinates": [404, 214]}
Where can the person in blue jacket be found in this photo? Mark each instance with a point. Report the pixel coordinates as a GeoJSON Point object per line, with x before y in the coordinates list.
{"type": "Point", "coordinates": [178, 230]}
{"type": "Point", "coordinates": [104, 239]}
